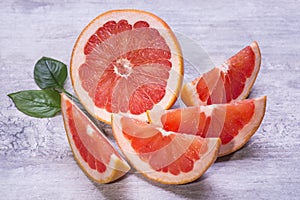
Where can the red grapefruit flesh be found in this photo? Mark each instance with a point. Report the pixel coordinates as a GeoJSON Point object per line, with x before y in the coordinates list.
{"type": "Point", "coordinates": [126, 61]}
{"type": "Point", "coordinates": [228, 83]}
{"type": "Point", "coordinates": [93, 152]}
{"type": "Point", "coordinates": [233, 123]}
{"type": "Point", "coordinates": [165, 157]}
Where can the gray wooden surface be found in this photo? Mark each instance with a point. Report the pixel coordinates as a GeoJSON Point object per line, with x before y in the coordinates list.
{"type": "Point", "coordinates": [35, 159]}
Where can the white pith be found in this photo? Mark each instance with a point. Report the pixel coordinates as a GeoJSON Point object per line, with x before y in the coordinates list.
{"type": "Point", "coordinates": [89, 130]}
{"type": "Point", "coordinates": [126, 64]}
{"type": "Point", "coordinates": [224, 67]}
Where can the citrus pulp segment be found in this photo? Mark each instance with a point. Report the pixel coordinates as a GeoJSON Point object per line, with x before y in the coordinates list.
{"type": "Point", "coordinates": [93, 152]}
{"type": "Point", "coordinates": [165, 157]}
{"type": "Point", "coordinates": [126, 61]}
{"type": "Point", "coordinates": [233, 123]}
{"type": "Point", "coordinates": [232, 81]}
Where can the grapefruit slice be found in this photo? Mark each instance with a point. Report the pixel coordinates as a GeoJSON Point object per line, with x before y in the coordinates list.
{"type": "Point", "coordinates": [165, 157]}
{"type": "Point", "coordinates": [93, 152]}
{"type": "Point", "coordinates": [233, 123]}
{"type": "Point", "coordinates": [126, 61]}
{"type": "Point", "coordinates": [232, 81]}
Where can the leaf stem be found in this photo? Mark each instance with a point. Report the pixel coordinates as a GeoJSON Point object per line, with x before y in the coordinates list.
{"type": "Point", "coordinates": [69, 94]}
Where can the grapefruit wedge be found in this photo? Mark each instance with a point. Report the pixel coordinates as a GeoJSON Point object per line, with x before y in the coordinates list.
{"type": "Point", "coordinates": [126, 61]}
{"type": "Point", "coordinates": [93, 152]}
{"type": "Point", "coordinates": [165, 157]}
{"type": "Point", "coordinates": [232, 81]}
{"type": "Point", "coordinates": [233, 123]}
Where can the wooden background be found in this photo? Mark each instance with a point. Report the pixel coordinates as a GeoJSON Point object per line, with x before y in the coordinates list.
{"type": "Point", "coordinates": [35, 159]}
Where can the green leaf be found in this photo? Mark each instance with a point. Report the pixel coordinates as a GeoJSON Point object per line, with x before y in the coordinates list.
{"type": "Point", "coordinates": [37, 103]}
{"type": "Point", "coordinates": [50, 73]}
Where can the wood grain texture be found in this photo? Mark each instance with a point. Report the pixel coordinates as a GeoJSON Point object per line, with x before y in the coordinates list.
{"type": "Point", "coordinates": [35, 159]}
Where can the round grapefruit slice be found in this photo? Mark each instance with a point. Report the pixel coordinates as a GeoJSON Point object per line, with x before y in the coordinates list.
{"type": "Point", "coordinates": [232, 81]}
{"type": "Point", "coordinates": [126, 61]}
{"type": "Point", "coordinates": [165, 157]}
{"type": "Point", "coordinates": [233, 123]}
{"type": "Point", "coordinates": [93, 152]}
